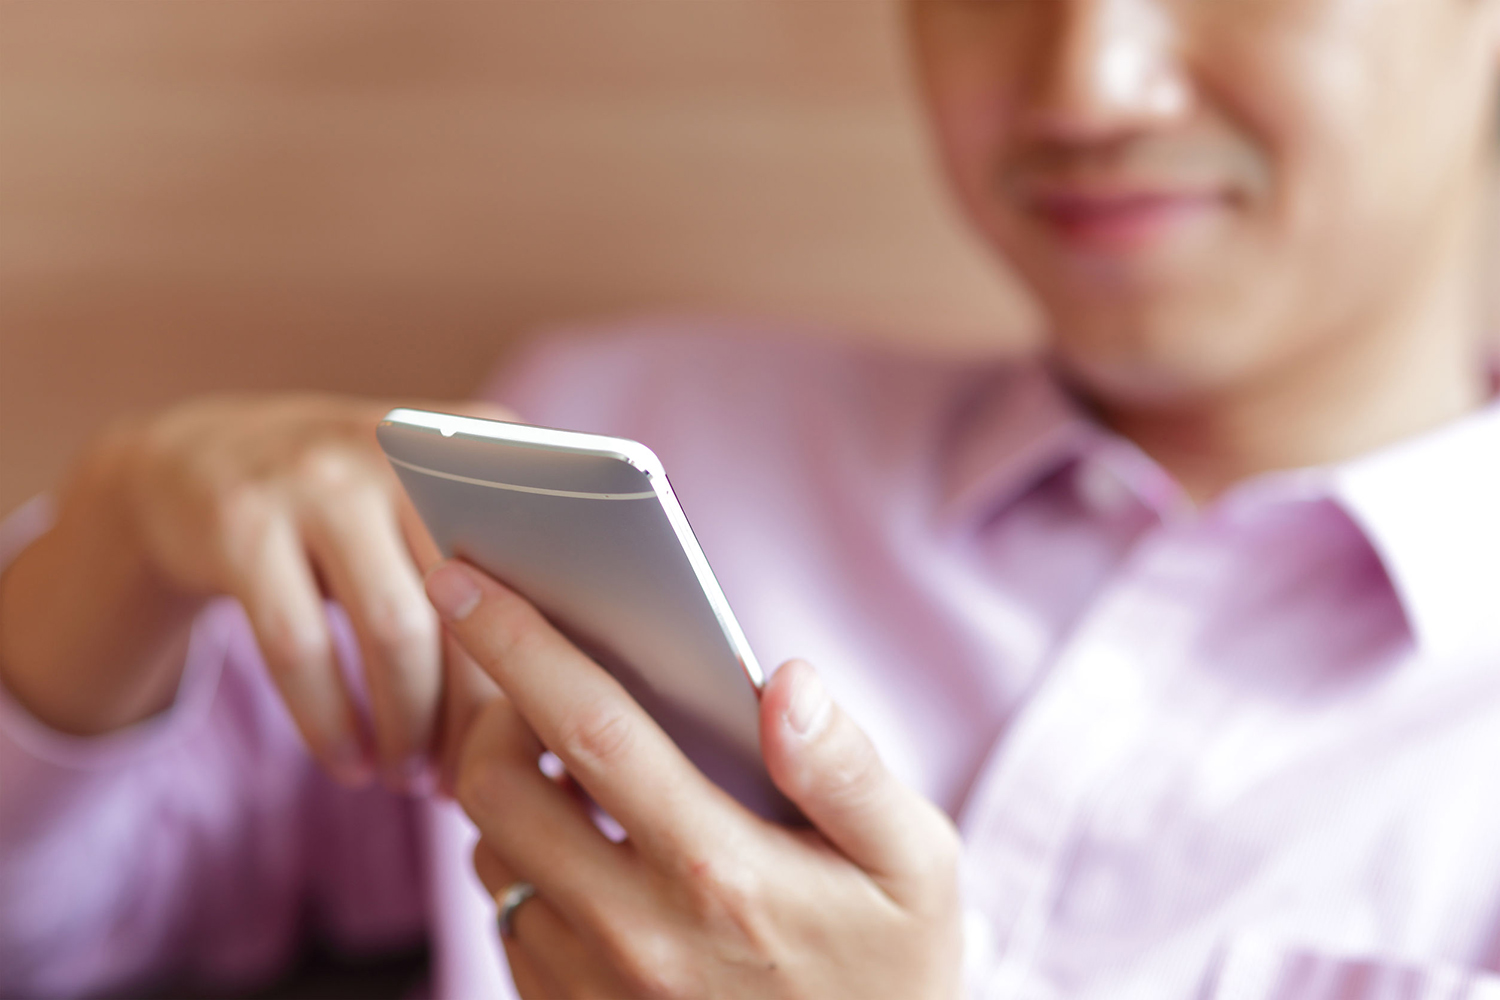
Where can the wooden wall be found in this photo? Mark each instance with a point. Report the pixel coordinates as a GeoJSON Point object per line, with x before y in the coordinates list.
{"type": "Point", "coordinates": [380, 196]}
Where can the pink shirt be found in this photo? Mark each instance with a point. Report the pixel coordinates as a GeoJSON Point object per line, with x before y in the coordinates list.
{"type": "Point", "coordinates": [1250, 751]}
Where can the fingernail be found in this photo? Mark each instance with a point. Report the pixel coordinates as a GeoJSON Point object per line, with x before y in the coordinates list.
{"type": "Point", "coordinates": [349, 765]}
{"type": "Point", "coordinates": [453, 591]}
{"type": "Point", "coordinates": [810, 705]}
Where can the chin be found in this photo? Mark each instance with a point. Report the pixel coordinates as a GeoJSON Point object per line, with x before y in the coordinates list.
{"type": "Point", "coordinates": [1151, 364]}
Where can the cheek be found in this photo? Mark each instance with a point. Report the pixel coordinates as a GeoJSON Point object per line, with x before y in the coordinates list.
{"type": "Point", "coordinates": [967, 67]}
{"type": "Point", "coordinates": [967, 119]}
{"type": "Point", "coordinates": [1307, 121]}
{"type": "Point", "coordinates": [1370, 131]}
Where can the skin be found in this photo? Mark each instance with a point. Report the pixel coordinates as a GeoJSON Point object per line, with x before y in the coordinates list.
{"type": "Point", "coordinates": [702, 898]}
{"type": "Point", "coordinates": [280, 502]}
{"type": "Point", "coordinates": [1306, 287]}
{"type": "Point", "coordinates": [1252, 223]}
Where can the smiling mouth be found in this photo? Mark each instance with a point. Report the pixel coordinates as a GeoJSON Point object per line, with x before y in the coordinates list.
{"type": "Point", "coordinates": [1122, 221]}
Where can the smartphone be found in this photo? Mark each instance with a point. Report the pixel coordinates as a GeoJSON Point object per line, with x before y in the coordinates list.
{"type": "Point", "coordinates": [587, 528]}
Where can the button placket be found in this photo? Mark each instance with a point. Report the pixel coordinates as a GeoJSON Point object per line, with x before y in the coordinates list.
{"type": "Point", "coordinates": [1091, 714]}
{"type": "Point", "coordinates": [1087, 714]}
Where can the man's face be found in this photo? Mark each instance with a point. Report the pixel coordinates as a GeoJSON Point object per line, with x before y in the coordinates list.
{"type": "Point", "coordinates": [1202, 192]}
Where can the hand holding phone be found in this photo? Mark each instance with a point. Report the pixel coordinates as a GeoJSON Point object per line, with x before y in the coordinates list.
{"type": "Point", "coordinates": [702, 898]}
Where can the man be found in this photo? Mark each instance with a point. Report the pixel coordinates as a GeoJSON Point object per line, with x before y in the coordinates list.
{"type": "Point", "coordinates": [1187, 631]}
{"type": "Point", "coordinates": [1208, 729]}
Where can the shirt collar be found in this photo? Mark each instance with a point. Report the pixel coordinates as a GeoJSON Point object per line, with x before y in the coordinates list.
{"type": "Point", "coordinates": [1013, 427]}
{"type": "Point", "coordinates": [1430, 507]}
{"type": "Point", "coordinates": [1018, 426]}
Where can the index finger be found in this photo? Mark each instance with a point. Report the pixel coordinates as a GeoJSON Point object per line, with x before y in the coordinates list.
{"type": "Point", "coordinates": [607, 742]}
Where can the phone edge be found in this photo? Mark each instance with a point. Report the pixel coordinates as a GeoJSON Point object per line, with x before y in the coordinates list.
{"type": "Point", "coordinates": [633, 453]}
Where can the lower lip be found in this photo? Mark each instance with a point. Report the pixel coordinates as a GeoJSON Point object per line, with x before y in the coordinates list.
{"type": "Point", "coordinates": [1124, 225]}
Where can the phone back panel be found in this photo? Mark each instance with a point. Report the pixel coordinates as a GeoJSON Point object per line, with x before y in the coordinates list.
{"type": "Point", "coordinates": [587, 528]}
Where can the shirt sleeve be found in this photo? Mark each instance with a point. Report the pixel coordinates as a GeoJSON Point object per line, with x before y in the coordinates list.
{"type": "Point", "coordinates": [189, 848]}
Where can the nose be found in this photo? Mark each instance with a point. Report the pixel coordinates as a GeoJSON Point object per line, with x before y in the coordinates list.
{"type": "Point", "coordinates": [1109, 68]}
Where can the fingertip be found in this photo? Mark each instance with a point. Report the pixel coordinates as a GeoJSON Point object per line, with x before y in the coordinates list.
{"type": "Point", "coordinates": [809, 706]}
{"type": "Point", "coordinates": [795, 710]}
{"type": "Point", "coordinates": [779, 685]}
{"type": "Point", "coordinates": [795, 699]}
{"type": "Point", "coordinates": [775, 695]}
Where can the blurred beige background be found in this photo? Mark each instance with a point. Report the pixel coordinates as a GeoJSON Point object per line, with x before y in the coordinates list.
{"type": "Point", "coordinates": [380, 197]}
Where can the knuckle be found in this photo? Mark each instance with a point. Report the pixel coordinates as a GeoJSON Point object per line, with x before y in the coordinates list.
{"type": "Point", "coordinates": [652, 964]}
{"type": "Point", "coordinates": [729, 900]}
{"type": "Point", "coordinates": [597, 738]}
{"type": "Point", "coordinates": [240, 508]}
{"type": "Point", "coordinates": [328, 466]}
{"type": "Point", "coordinates": [719, 893]}
{"type": "Point", "coordinates": [402, 628]}
{"type": "Point", "coordinates": [854, 780]}
{"type": "Point", "coordinates": [290, 647]}
{"type": "Point", "coordinates": [241, 518]}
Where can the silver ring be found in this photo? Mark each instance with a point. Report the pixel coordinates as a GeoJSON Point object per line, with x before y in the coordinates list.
{"type": "Point", "coordinates": [511, 899]}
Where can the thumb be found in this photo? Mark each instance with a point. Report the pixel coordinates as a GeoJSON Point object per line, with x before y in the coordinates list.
{"type": "Point", "coordinates": [825, 764]}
